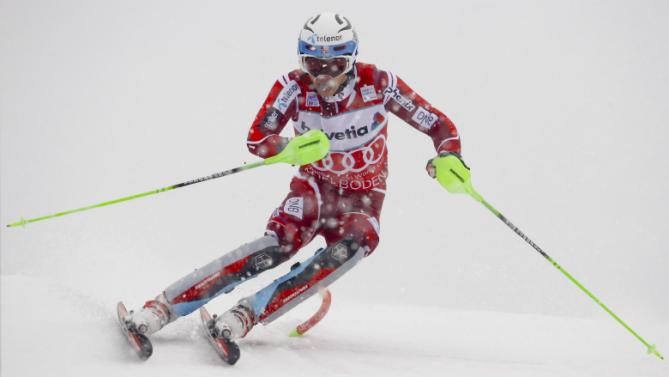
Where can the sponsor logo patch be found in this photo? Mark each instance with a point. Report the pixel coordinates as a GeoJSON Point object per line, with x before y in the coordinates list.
{"type": "Point", "coordinates": [262, 261]}
{"type": "Point", "coordinates": [209, 280]}
{"type": "Point", "coordinates": [315, 38]}
{"type": "Point", "coordinates": [271, 118]}
{"type": "Point", "coordinates": [400, 99]}
{"type": "Point", "coordinates": [424, 118]}
{"type": "Point", "coordinates": [294, 207]}
{"type": "Point", "coordinates": [368, 93]}
{"type": "Point", "coordinates": [355, 161]}
{"type": "Point", "coordinates": [339, 253]}
{"type": "Point", "coordinates": [350, 133]}
{"type": "Point", "coordinates": [286, 96]}
{"type": "Point", "coordinates": [378, 120]}
{"type": "Point", "coordinates": [312, 100]}
{"type": "Point", "coordinates": [296, 293]}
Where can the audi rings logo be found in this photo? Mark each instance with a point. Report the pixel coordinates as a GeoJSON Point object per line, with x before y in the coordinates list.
{"type": "Point", "coordinates": [353, 161]}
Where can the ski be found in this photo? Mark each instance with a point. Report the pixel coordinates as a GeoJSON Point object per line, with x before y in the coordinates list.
{"type": "Point", "coordinates": [226, 349]}
{"type": "Point", "coordinates": [139, 342]}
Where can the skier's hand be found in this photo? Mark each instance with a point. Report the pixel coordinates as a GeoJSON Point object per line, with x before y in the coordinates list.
{"type": "Point", "coordinates": [432, 170]}
{"type": "Point", "coordinates": [303, 149]}
{"type": "Point", "coordinates": [451, 173]}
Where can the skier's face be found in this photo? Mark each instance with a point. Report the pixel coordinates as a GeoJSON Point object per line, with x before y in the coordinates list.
{"type": "Point", "coordinates": [327, 86]}
{"type": "Point", "coordinates": [328, 74]}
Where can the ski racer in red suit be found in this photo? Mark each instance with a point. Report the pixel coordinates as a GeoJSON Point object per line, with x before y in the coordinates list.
{"type": "Point", "coordinates": [339, 197]}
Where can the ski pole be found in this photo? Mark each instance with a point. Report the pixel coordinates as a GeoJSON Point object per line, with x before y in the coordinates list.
{"type": "Point", "coordinates": [301, 150]}
{"type": "Point", "coordinates": [454, 176]}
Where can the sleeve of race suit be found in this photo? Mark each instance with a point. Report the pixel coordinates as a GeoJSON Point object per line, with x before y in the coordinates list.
{"type": "Point", "coordinates": [279, 106]}
{"type": "Point", "coordinates": [409, 106]}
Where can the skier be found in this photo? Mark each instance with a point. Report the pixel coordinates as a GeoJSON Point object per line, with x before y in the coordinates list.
{"type": "Point", "coordinates": [339, 197]}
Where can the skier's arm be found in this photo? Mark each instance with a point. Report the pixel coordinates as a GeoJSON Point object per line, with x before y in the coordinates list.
{"type": "Point", "coordinates": [409, 106]}
{"type": "Point", "coordinates": [279, 106]}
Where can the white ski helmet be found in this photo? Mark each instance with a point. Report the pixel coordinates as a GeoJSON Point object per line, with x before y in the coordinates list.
{"type": "Point", "coordinates": [328, 44]}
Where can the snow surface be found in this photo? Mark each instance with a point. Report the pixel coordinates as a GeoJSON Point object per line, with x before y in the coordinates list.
{"type": "Point", "coordinates": [78, 336]}
{"type": "Point", "coordinates": [562, 108]}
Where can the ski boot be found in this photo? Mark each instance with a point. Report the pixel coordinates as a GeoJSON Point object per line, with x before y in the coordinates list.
{"type": "Point", "coordinates": [222, 331]}
{"type": "Point", "coordinates": [137, 325]}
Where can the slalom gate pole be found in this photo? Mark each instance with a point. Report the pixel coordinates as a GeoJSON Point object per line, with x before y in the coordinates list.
{"type": "Point", "coordinates": [455, 177]}
{"type": "Point", "coordinates": [326, 301]}
{"type": "Point", "coordinates": [303, 149]}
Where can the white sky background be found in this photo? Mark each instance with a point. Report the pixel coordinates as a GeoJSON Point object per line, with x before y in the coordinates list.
{"type": "Point", "coordinates": [562, 108]}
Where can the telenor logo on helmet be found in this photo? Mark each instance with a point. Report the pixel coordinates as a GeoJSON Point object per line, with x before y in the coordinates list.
{"type": "Point", "coordinates": [315, 38]}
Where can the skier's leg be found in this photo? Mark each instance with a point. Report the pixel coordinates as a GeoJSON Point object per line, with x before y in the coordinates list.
{"type": "Point", "coordinates": [304, 280]}
{"type": "Point", "coordinates": [290, 226]}
{"type": "Point", "coordinates": [197, 288]}
{"type": "Point", "coordinates": [295, 221]}
{"type": "Point", "coordinates": [223, 274]}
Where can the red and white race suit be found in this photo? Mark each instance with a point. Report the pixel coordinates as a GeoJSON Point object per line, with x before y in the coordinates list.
{"type": "Point", "coordinates": [350, 182]}
{"type": "Point", "coordinates": [339, 197]}
{"type": "Point", "coordinates": [355, 122]}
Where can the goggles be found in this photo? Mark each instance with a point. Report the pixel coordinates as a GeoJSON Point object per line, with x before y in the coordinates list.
{"type": "Point", "coordinates": [332, 67]}
{"type": "Point", "coordinates": [329, 60]}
